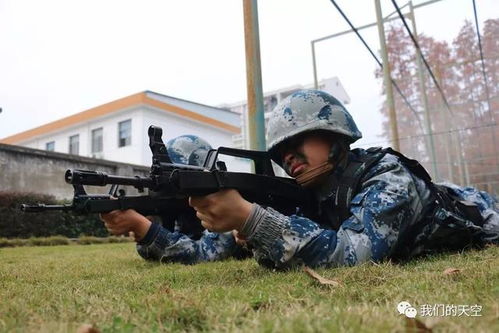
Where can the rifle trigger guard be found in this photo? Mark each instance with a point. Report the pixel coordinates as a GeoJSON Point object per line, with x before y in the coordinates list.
{"type": "Point", "coordinates": [121, 201]}
{"type": "Point", "coordinates": [140, 188]}
{"type": "Point", "coordinates": [173, 180]}
{"type": "Point", "coordinates": [219, 179]}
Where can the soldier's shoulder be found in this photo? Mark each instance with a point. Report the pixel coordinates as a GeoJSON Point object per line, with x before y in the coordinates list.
{"type": "Point", "coordinates": [383, 161]}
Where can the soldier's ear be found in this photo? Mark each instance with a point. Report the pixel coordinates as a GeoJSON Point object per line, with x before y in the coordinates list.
{"type": "Point", "coordinates": [339, 146]}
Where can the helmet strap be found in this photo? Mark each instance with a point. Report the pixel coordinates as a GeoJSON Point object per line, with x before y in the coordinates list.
{"type": "Point", "coordinates": [336, 156]}
{"type": "Point", "coordinates": [307, 178]}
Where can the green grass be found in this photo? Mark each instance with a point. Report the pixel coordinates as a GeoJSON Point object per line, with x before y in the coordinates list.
{"type": "Point", "coordinates": [59, 288]}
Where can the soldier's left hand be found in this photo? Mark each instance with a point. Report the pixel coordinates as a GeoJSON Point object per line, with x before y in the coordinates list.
{"type": "Point", "coordinates": [225, 210]}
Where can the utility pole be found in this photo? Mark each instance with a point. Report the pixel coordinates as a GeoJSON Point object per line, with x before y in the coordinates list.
{"type": "Point", "coordinates": [314, 64]}
{"type": "Point", "coordinates": [429, 131]}
{"type": "Point", "coordinates": [255, 112]}
{"type": "Point", "coordinates": [387, 78]}
{"type": "Point", "coordinates": [487, 93]}
{"type": "Point", "coordinates": [454, 134]}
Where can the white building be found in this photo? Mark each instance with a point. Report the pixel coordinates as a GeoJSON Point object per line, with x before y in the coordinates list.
{"type": "Point", "coordinates": [117, 131]}
{"type": "Point", "coordinates": [332, 86]}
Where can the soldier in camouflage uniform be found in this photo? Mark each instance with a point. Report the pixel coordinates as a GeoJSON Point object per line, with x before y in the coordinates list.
{"type": "Point", "coordinates": [188, 149]}
{"type": "Point", "coordinates": [184, 241]}
{"type": "Point", "coordinates": [191, 150]}
{"type": "Point", "coordinates": [391, 210]}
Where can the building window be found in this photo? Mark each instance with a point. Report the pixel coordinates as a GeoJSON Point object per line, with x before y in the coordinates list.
{"type": "Point", "coordinates": [125, 133]}
{"type": "Point", "coordinates": [74, 144]}
{"type": "Point", "coordinates": [50, 146]}
{"type": "Point", "coordinates": [97, 140]}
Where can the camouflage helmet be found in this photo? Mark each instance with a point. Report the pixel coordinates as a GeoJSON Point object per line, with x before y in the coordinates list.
{"type": "Point", "coordinates": [309, 110]}
{"type": "Point", "coordinates": [188, 149]}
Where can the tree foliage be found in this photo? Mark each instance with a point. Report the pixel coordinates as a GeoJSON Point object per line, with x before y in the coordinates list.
{"type": "Point", "coordinates": [467, 132]}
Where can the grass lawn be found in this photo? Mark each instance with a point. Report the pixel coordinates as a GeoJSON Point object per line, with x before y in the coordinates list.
{"type": "Point", "coordinates": [60, 288]}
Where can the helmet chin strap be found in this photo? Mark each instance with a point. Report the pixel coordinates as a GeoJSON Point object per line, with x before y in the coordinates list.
{"type": "Point", "coordinates": [336, 155]}
{"type": "Point", "coordinates": [307, 178]}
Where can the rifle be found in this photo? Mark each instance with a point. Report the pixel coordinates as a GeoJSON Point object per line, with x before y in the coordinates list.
{"type": "Point", "coordinates": [170, 185]}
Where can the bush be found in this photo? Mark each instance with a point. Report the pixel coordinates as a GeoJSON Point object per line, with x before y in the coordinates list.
{"type": "Point", "coordinates": [17, 224]}
{"type": "Point", "coordinates": [85, 240]}
{"type": "Point", "coordinates": [4, 242]}
{"type": "Point", "coordinates": [61, 240]}
{"type": "Point", "coordinates": [58, 240]}
{"type": "Point", "coordinates": [43, 241]}
{"type": "Point", "coordinates": [116, 239]}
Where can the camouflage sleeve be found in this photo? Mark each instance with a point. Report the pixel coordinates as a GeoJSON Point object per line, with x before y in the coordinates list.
{"type": "Point", "coordinates": [165, 246]}
{"type": "Point", "coordinates": [387, 198]}
{"type": "Point", "coordinates": [487, 205]}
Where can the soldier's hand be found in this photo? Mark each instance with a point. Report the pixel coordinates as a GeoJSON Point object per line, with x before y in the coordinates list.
{"type": "Point", "coordinates": [240, 239]}
{"type": "Point", "coordinates": [225, 210]}
{"type": "Point", "coordinates": [120, 222]}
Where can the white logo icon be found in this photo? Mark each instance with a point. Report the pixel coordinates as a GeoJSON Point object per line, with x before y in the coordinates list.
{"type": "Point", "coordinates": [406, 309]}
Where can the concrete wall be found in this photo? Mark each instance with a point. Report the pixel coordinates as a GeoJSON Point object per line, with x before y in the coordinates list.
{"type": "Point", "coordinates": [32, 170]}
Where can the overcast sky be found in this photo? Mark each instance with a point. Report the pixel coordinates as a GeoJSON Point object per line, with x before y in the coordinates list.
{"type": "Point", "coordinates": [60, 57]}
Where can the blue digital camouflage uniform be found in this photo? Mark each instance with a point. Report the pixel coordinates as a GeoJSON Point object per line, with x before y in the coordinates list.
{"type": "Point", "coordinates": [391, 206]}
{"type": "Point", "coordinates": [180, 245]}
{"type": "Point", "coordinates": [166, 246]}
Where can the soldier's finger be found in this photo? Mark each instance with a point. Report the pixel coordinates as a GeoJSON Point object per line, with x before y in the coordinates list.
{"type": "Point", "coordinates": [110, 215]}
{"type": "Point", "coordinates": [207, 225]}
{"type": "Point", "coordinates": [113, 231]}
{"type": "Point", "coordinates": [112, 221]}
{"type": "Point", "coordinates": [197, 202]}
{"type": "Point", "coordinates": [203, 217]}
{"type": "Point", "coordinates": [108, 226]}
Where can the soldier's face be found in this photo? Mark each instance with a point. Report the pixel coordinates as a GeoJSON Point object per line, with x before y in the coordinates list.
{"type": "Point", "coordinates": [304, 153]}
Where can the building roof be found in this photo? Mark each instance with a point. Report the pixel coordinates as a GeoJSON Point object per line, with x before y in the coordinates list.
{"type": "Point", "coordinates": [217, 117]}
{"type": "Point", "coordinates": [332, 86]}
